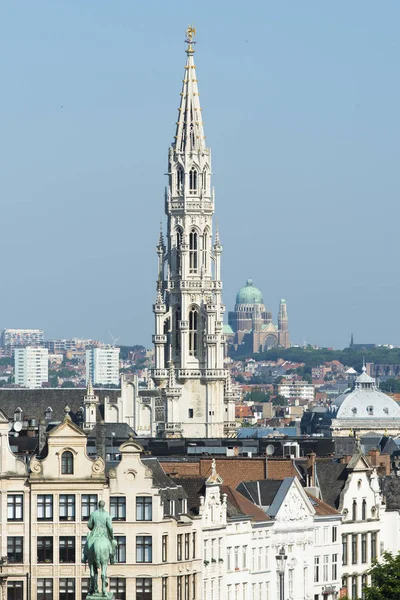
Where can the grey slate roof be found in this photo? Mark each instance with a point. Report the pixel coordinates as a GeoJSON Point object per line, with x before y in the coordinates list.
{"type": "Point", "coordinates": [35, 402]}
{"type": "Point", "coordinates": [261, 493]}
{"type": "Point", "coordinates": [331, 478]}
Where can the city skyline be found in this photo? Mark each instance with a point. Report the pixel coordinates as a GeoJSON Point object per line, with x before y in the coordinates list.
{"type": "Point", "coordinates": [84, 146]}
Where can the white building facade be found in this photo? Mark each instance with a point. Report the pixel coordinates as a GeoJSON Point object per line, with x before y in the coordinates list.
{"type": "Point", "coordinates": [31, 366]}
{"type": "Point", "coordinates": [102, 366]}
{"type": "Point", "coordinates": [189, 341]}
{"type": "Point", "coordinates": [21, 337]}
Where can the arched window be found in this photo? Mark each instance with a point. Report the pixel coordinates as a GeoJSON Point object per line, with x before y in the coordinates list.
{"type": "Point", "coordinates": [67, 463]}
{"type": "Point", "coordinates": [193, 331]}
{"type": "Point", "coordinates": [180, 176]}
{"type": "Point", "coordinates": [177, 331]}
{"type": "Point", "coordinates": [205, 249]}
{"type": "Point", "coordinates": [354, 515]}
{"type": "Point", "coordinates": [178, 251]}
{"type": "Point", "coordinates": [205, 182]}
{"type": "Point", "coordinates": [192, 181]}
{"type": "Point", "coordinates": [364, 510]}
{"type": "Point", "coordinates": [193, 245]}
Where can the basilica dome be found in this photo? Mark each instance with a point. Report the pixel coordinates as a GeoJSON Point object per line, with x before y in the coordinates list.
{"type": "Point", "coordinates": [249, 294]}
{"type": "Point", "coordinates": [366, 401]}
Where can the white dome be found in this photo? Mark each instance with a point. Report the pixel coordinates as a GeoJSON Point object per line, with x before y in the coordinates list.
{"type": "Point", "coordinates": [366, 401]}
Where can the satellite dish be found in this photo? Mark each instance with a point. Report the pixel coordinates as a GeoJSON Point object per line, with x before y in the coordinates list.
{"type": "Point", "coordinates": [270, 449]}
{"type": "Point", "coordinates": [17, 426]}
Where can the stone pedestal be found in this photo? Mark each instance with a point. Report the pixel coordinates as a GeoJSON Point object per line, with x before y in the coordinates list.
{"type": "Point", "coordinates": [100, 596]}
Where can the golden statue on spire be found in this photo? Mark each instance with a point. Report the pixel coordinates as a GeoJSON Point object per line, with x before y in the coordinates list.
{"type": "Point", "coordinates": [190, 32]}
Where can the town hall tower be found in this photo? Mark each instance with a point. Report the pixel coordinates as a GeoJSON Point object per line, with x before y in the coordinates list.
{"type": "Point", "coordinates": [196, 398]}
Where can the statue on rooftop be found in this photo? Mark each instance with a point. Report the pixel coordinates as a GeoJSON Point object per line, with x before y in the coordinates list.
{"type": "Point", "coordinates": [100, 548]}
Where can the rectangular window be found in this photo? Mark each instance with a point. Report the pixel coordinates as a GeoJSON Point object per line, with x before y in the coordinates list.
{"type": "Point", "coordinates": [194, 544]}
{"type": "Point", "coordinates": [374, 540]}
{"type": "Point", "coordinates": [266, 558]}
{"type": "Point", "coordinates": [44, 589]}
{"type": "Point", "coordinates": [67, 589]}
{"type": "Point", "coordinates": [190, 411]}
{"type": "Point", "coordinates": [118, 586]}
{"type": "Point", "coordinates": [143, 588]}
{"type": "Point", "coordinates": [118, 508]}
{"type": "Point", "coordinates": [194, 586]}
{"type": "Point", "coordinates": [85, 584]}
{"type": "Point", "coordinates": [15, 510]}
{"type": "Point", "coordinates": [187, 587]}
{"type": "Point", "coordinates": [334, 534]}
{"type": "Point", "coordinates": [83, 542]}
{"type": "Point", "coordinates": [244, 557]}
{"type": "Point", "coordinates": [15, 549]}
{"type": "Point", "coordinates": [179, 546]}
{"type": "Point", "coordinates": [363, 585]}
{"type": "Point", "coordinates": [187, 546]}
{"type": "Point", "coordinates": [67, 508]}
{"type": "Point", "coordinates": [325, 572]}
{"type": "Point", "coordinates": [179, 587]}
{"type": "Point", "coordinates": [316, 569]}
{"type": "Point", "coordinates": [363, 547]}
{"type": "Point", "coordinates": [15, 590]}
{"type": "Point", "coordinates": [236, 557]}
{"type": "Point", "coordinates": [45, 507]}
{"type": "Point", "coordinates": [121, 548]}
{"type": "Point", "coordinates": [291, 582]}
{"type": "Point", "coordinates": [326, 532]}
{"type": "Point", "coordinates": [144, 508]}
{"type": "Point", "coordinates": [45, 549]}
{"type": "Point", "coordinates": [229, 558]}
{"type": "Point", "coordinates": [344, 550]}
{"type": "Point", "coordinates": [354, 557]}
{"type": "Point", "coordinates": [144, 549]}
{"type": "Point", "coordinates": [67, 549]}
{"type": "Point", "coordinates": [354, 587]}
{"type": "Point", "coordinates": [164, 588]}
{"type": "Point", "coordinates": [334, 567]}
{"type": "Point", "coordinates": [259, 563]}
{"type": "Point", "coordinates": [164, 548]}
{"type": "Point", "coordinates": [88, 505]}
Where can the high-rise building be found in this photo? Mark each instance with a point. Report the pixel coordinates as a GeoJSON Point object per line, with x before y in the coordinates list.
{"type": "Point", "coordinates": [21, 337]}
{"type": "Point", "coordinates": [102, 366]}
{"type": "Point", "coordinates": [31, 366]}
{"type": "Point", "coordinates": [189, 342]}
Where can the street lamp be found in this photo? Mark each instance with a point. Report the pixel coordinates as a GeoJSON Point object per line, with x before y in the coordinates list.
{"type": "Point", "coordinates": [281, 559]}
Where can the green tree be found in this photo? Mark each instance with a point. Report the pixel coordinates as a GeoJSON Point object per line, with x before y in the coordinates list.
{"type": "Point", "coordinates": [391, 385]}
{"type": "Point", "coordinates": [67, 384]}
{"type": "Point", "coordinates": [385, 579]}
{"type": "Point", "coordinates": [258, 396]}
{"type": "Point", "coordinates": [279, 400]}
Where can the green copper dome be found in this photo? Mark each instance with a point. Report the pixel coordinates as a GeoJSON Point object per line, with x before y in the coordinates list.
{"type": "Point", "coordinates": [249, 294]}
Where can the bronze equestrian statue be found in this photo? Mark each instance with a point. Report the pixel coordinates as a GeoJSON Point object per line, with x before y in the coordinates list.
{"type": "Point", "coordinates": [100, 548]}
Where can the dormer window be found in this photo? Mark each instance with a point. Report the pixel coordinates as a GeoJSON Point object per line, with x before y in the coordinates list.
{"type": "Point", "coordinates": [192, 181]}
{"type": "Point", "coordinates": [48, 413]}
{"type": "Point", "coordinates": [67, 463]}
{"type": "Point", "coordinates": [18, 414]}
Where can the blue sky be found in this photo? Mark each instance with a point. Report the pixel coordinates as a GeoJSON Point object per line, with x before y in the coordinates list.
{"type": "Point", "coordinates": [300, 103]}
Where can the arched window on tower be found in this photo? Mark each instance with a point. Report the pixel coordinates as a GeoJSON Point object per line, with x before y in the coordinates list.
{"type": "Point", "coordinates": [205, 249]}
{"type": "Point", "coordinates": [205, 182]}
{"type": "Point", "coordinates": [193, 331]}
{"type": "Point", "coordinates": [193, 247]}
{"type": "Point", "coordinates": [178, 251]}
{"type": "Point", "coordinates": [177, 330]}
{"type": "Point", "coordinates": [192, 181]}
{"type": "Point", "coordinates": [180, 176]}
{"type": "Point", "coordinates": [364, 510]}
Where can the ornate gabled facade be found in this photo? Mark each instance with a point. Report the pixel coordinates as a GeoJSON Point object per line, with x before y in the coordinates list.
{"type": "Point", "coordinates": [189, 340]}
